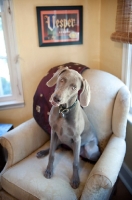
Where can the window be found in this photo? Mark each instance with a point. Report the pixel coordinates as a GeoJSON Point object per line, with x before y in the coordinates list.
{"type": "Point", "coordinates": [11, 94]}
{"type": "Point", "coordinates": [127, 68]}
{"type": "Point", "coordinates": [123, 34]}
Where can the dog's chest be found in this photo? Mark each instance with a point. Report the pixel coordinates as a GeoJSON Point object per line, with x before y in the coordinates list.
{"type": "Point", "coordinates": [67, 128]}
{"type": "Point", "coordinates": [64, 130]}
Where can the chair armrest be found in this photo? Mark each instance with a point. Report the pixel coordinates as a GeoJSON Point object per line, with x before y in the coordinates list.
{"type": "Point", "coordinates": [22, 141]}
{"type": "Point", "coordinates": [120, 112]}
{"type": "Point", "coordinates": [105, 172]}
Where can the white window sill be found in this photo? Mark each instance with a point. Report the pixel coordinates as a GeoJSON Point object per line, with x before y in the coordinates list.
{"type": "Point", "coordinates": [11, 104]}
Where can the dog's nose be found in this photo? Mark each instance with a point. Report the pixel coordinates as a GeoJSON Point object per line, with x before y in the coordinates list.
{"type": "Point", "coordinates": [57, 99]}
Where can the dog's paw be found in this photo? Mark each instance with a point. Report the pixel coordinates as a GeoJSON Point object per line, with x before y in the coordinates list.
{"type": "Point", "coordinates": [48, 173]}
{"type": "Point", "coordinates": [39, 154]}
{"type": "Point", "coordinates": [75, 183]}
{"type": "Point", "coordinates": [42, 153]}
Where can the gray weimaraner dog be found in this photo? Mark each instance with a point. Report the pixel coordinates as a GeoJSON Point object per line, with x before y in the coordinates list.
{"type": "Point", "coordinates": [69, 124]}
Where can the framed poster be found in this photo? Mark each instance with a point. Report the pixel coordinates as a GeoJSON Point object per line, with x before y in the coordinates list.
{"type": "Point", "coordinates": [60, 25]}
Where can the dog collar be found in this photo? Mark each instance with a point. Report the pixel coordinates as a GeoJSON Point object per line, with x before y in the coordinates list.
{"type": "Point", "coordinates": [63, 111]}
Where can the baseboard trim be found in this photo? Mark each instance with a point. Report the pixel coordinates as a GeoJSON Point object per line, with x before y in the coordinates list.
{"type": "Point", "coordinates": [126, 177]}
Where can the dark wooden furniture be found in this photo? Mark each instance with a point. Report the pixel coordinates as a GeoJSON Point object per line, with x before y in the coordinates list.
{"type": "Point", "coordinates": [3, 129]}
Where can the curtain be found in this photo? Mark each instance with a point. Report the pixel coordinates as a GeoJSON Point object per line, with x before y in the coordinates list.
{"type": "Point", "coordinates": [123, 32]}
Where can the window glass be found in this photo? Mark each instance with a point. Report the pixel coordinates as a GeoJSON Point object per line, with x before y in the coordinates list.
{"type": "Point", "coordinates": [5, 85]}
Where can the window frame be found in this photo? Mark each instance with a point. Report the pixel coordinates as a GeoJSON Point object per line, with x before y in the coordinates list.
{"type": "Point", "coordinates": [16, 99]}
{"type": "Point", "coordinates": [127, 69]}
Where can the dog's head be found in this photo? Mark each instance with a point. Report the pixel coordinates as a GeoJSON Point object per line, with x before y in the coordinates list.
{"type": "Point", "coordinates": [68, 83]}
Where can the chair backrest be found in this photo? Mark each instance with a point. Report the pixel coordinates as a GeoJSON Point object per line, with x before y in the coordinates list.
{"type": "Point", "coordinates": [104, 89]}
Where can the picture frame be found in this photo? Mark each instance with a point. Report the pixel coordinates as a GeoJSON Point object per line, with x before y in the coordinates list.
{"type": "Point", "coordinates": [60, 25]}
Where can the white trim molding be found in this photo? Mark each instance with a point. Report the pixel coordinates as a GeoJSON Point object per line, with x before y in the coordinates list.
{"type": "Point", "coordinates": [127, 68]}
{"type": "Point", "coordinates": [125, 172]}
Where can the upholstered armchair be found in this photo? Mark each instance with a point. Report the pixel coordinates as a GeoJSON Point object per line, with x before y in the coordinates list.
{"type": "Point", "coordinates": [22, 177]}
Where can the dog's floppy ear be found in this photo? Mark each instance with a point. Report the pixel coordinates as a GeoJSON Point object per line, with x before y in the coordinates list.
{"type": "Point", "coordinates": [85, 94]}
{"type": "Point", "coordinates": [53, 80]}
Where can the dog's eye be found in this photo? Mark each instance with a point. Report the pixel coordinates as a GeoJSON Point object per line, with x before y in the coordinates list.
{"type": "Point", "coordinates": [74, 87]}
{"type": "Point", "coordinates": [62, 80]}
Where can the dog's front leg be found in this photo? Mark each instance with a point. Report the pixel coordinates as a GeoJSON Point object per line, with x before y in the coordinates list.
{"type": "Point", "coordinates": [53, 145]}
{"type": "Point", "coordinates": [75, 181]}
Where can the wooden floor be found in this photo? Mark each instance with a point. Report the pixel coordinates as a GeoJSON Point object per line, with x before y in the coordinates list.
{"type": "Point", "coordinates": [121, 192]}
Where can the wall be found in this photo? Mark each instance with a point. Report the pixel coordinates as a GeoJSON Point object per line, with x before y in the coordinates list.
{"type": "Point", "coordinates": [110, 52]}
{"type": "Point", "coordinates": [35, 61]}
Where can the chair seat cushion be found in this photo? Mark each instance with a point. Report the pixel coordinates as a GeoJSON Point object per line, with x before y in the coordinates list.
{"type": "Point", "coordinates": [41, 104]}
{"type": "Point", "coordinates": [25, 180]}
